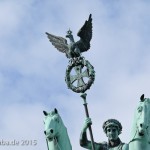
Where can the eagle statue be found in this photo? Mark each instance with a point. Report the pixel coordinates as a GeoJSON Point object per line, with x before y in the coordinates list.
{"type": "Point", "coordinates": [74, 49]}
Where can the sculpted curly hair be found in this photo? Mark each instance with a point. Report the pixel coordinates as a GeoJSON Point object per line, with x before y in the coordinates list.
{"type": "Point", "coordinates": [112, 122]}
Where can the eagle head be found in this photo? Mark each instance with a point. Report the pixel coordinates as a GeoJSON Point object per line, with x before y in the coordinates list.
{"type": "Point", "coordinates": [69, 35]}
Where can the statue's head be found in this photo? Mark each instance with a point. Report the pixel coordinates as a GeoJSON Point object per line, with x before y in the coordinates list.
{"type": "Point", "coordinates": [69, 33]}
{"type": "Point", "coordinates": [112, 128]}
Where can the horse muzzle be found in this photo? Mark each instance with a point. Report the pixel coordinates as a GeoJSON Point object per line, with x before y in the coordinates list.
{"type": "Point", "coordinates": [142, 129]}
{"type": "Point", "coordinates": [49, 133]}
{"type": "Point", "coordinates": [141, 133]}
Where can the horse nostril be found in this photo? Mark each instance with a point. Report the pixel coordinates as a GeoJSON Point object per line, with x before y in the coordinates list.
{"type": "Point", "coordinates": [141, 125]}
{"type": "Point", "coordinates": [45, 132]}
{"type": "Point", "coordinates": [51, 130]}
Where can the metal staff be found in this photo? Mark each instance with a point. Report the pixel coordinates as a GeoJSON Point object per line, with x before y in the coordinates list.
{"type": "Point", "coordinates": [87, 115]}
{"type": "Point", "coordinates": [47, 144]}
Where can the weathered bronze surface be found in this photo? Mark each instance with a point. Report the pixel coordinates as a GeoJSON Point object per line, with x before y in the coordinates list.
{"type": "Point", "coordinates": [74, 49]}
{"type": "Point", "coordinates": [80, 73]}
{"type": "Point", "coordinates": [55, 131]}
{"type": "Point", "coordinates": [140, 132]}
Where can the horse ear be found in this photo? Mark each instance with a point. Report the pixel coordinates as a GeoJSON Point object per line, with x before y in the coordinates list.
{"type": "Point", "coordinates": [55, 110]}
{"type": "Point", "coordinates": [45, 113]}
{"type": "Point", "coordinates": [142, 97]}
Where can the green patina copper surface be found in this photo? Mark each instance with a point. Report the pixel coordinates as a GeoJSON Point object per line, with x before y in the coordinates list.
{"type": "Point", "coordinates": [80, 75]}
{"type": "Point", "coordinates": [140, 133]}
{"type": "Point", "coordinates": [74, 49]}
{"type": "Point", "coordinates": [55, 131]}
{"type": "Point", "coordinates": [112, 128]}
{"type": "Point", "coordinates": [84, 72]}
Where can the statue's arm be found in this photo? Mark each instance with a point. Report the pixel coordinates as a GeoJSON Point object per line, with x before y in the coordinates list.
{"type": "Point", "coordinates": [84, 142]}
{"type": "Point", "coordinates": [83, 136]}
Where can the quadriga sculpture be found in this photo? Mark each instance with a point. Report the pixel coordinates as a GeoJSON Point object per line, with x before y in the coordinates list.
{"type": "Point", "coordinates": [140, 134]}
{"type": "Point", "coordinates": [56, 133]}
{"type": "Point", "coordinates": [57, 137]}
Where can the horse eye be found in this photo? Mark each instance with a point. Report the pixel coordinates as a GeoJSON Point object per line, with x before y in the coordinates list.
{"type": "Point", "coordinates": [57, 120]}
{"type": "Point", "coordinates": [140, 109]}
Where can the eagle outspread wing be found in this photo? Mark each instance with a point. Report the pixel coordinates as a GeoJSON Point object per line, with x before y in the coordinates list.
{"type": "Point", "coordinates": [59, 42]}
{"type": "Point", "coordinates": [85, 34]}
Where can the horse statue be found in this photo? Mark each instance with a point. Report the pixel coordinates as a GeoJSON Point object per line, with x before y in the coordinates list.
{"type": "Point", "coordinates": [55, 131]}
{"type": "Point", "coordinates": [140, 133]}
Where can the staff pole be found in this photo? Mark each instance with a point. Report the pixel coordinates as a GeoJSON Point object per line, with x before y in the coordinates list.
{"type": "Point", "coordinates": [47, 144]}
{"type": "Point", "coordinates": [87, 115]}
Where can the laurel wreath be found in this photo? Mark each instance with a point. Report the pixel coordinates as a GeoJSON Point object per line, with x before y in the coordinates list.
{"type": "Point", "coordinates": [80, 61]}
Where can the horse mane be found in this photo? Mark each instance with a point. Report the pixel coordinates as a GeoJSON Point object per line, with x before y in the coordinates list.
{"type": "Point", "coordinates": [147, 100]}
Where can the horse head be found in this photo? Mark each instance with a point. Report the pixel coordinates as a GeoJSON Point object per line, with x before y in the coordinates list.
{"type": "Point", "coordinates": [56, 132]}
{"type": "Point", "coordinates": [143, 116]}
{"type": "Point", "coordinates": [140, 133]}
{"type": "Point", "coordinates": [52, 124]}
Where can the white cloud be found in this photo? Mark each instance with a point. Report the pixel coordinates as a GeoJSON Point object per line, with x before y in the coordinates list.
{"type": "Point", "coordinates": [32, 71]}
{"type": "Point", "coordinates": [22, 122]}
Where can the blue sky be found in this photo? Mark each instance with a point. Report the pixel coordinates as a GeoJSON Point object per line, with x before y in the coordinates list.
{"type": "Point", "coordinates": [32, 71]}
